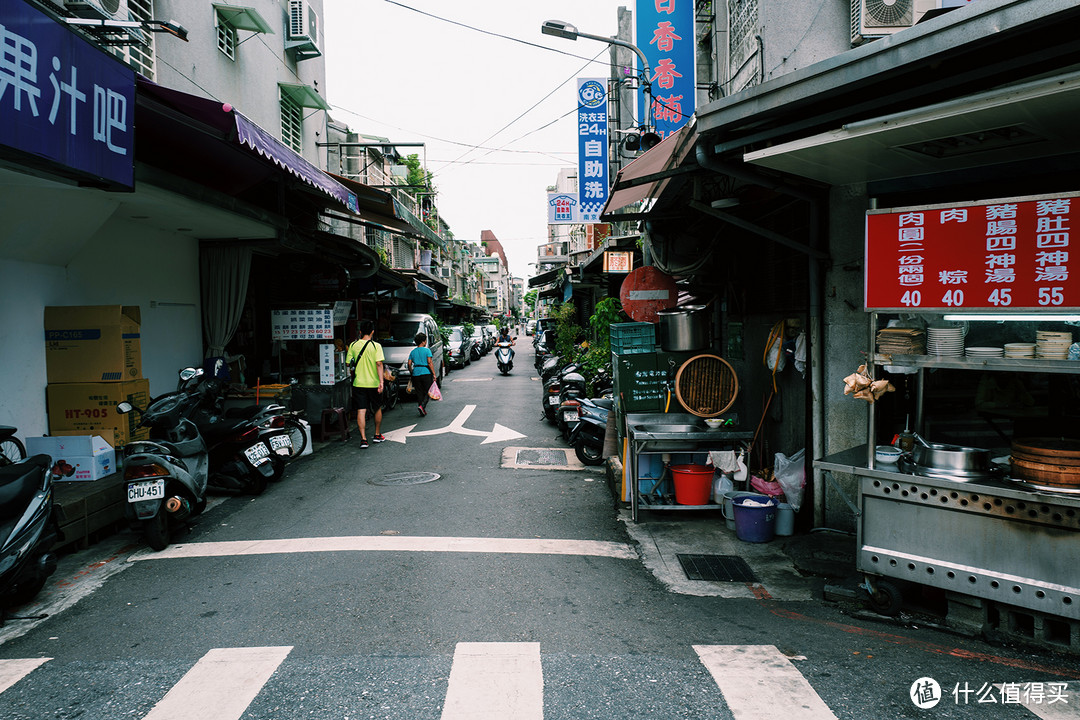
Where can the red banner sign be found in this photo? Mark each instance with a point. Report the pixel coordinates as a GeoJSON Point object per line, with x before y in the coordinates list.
{"type": "Point", "coordinates": [996, 255]}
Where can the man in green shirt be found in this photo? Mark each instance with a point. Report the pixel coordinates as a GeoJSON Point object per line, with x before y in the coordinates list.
{"type": "Point", "coordinates": [366, 356]}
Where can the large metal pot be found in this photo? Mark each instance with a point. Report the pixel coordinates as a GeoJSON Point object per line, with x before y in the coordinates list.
{"type": "Point", "coordinates": [684, 328]}
{"type": "Point", "coordinates": [952, 458]}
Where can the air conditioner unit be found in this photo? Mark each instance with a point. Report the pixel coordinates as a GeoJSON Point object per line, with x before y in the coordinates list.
{"type": "Point", "coordinates": [303, 35]}
{"type": "Point", "coordinates": [871, 19]}
{"type": "Point", "coordinates": [445, 272]}
{"type": "Point", "coordinates": [97, 9]}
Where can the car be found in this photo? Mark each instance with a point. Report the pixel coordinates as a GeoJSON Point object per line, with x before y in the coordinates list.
{"type": "Point", "coordinates": [493, 335]}
{"type": "Point", "coordinates": [460, 350]}
{"type": "Point", "coordinates": [401, 341]}
{"type": "Point", "coordinates": [480, 340]}
{"type": "Point", "coordinates": [530, 327]}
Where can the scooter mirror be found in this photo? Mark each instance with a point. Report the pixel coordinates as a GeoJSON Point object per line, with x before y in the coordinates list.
{"type": "Point", "coordinates": [188, 373]}
{"type": "Point", "coordinates": [124, 407]}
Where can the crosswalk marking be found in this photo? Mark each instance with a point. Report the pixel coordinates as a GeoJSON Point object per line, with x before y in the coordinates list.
{"type": "Point", "coordinates": [1069, 710]}
{"type": "Point", "coordinates": [12, 671]}
{"type": "Point", "coordinates": [221, 685]}
{"type": "Point", "coordinates": [398, 543]}
{"type": "Point", "coordinates": [500, 681]}
{"type": "Point", "coordinates": [760, 683]}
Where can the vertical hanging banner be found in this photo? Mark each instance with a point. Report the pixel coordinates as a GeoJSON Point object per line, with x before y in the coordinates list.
{"type": "Point", "coordinates": [665, 33]}
{"type": "Point", "coordinates": [592, 147]}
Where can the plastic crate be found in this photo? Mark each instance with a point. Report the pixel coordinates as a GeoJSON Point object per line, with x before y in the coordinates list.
{"type": "Point", "coordinates": [633, 337]}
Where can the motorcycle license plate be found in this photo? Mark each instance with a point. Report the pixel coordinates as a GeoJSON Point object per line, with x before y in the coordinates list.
{"type": "Point", "coordinates": [281, 442]}
{"type": "Point", "coordinates": [257, 454]}
{"type": "Point", "coordinates": [553, 400]}
{"type": "Point", "coordinates": [146, 490]}
{"type": "Point", "coordinates": [570, 416]}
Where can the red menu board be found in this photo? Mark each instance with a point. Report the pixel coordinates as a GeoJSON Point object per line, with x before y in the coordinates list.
{"type": "Point", "coordinates": [989, 255]}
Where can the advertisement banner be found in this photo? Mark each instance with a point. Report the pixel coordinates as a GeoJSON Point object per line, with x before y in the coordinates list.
{"type": "Point", "coordinates": [592, 147]}
{"type": "Point", "coordinates": [995, 254]}
{"type": "Point", "coordinates": [62, 99]}
{"type": "Point", "coordinates": [563, 209]}
{"type": "Point", "coordinates": [665, 33]}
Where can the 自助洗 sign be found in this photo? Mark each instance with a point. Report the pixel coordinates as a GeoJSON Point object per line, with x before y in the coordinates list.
{"type": "Point", "coordinates": [994, 254]}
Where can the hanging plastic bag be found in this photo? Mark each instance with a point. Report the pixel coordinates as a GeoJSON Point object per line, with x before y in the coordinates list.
{"type": "Point", "coordinates": [790, 473]}
{"type": "Point", "coordinates": [434, 393]}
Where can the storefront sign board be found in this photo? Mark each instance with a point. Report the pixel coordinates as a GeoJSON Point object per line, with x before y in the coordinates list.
{"type": "Point", "coordinates": [997, 255]}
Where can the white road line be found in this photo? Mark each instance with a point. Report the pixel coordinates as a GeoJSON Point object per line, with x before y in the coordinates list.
{"type": "Point", "coordinates": [760, 683]}
{"type": "Point", "coordinates": [12, 671]}
{"type": "Point", "coordinates": [500, 681]}
{"type": "Point", "coordinates": [393, 543]}
{"type": "Point", "coordinates": [1057, 710]}
{"type": "Point", "coordinates": [221, 685]}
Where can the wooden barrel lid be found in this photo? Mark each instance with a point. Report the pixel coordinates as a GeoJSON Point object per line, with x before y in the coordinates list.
{"type": "Point", "coordinates": [706, 385]}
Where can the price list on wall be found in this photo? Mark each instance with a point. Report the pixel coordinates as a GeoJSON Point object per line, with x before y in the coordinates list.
{"type": "Point", "coordinates": [990, 255]}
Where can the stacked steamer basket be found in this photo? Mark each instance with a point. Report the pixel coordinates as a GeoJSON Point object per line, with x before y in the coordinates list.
{"type": "Point", "coordinates": [1020, 351]}
{"type": "Point", "coordinates": [945, 342]}
{"type": "Point", "coordinates": [1052, 345]}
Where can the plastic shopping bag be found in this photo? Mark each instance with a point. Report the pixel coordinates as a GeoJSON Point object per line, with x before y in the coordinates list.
{"type": "Point", "coordinates": [434, 393]}
{"type": "Point", "coordinates": [791, 474]}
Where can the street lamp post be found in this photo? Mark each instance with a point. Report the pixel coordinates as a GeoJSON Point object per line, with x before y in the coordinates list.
{"type": "Point", "coordinates": [559, 28]}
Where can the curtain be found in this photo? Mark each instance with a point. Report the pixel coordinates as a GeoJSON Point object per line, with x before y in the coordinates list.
{"type": "Point", "coordinates": [225, 273]}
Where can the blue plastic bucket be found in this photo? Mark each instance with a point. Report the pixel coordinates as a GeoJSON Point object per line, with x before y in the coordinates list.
{"type": "Point", "coordinates": [755, 524]}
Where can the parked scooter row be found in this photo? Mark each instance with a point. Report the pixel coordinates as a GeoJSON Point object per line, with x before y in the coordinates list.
{"type": "Point", "coordinates": [194, 444]}
{"type": "Point", "coordinates": [582, 421]}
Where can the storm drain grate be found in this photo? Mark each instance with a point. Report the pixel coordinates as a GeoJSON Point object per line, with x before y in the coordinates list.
{"type": "Point", "coordinates": [722, 568]}
{"type": "Point", "coordinates": [405, 478]}
{"type": "Point", "coordinates": [554, 456]}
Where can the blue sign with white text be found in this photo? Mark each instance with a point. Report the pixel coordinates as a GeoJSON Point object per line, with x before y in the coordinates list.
{"type": "Point", "coordinates": [63, 99]}
{"type": "Point", "coordinates": [592, 148]}
{"type": "Point", "coordinates": [665, 33]}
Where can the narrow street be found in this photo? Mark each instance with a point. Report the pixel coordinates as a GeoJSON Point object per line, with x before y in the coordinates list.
{"type": "Point", "coordinates": [347, 591]}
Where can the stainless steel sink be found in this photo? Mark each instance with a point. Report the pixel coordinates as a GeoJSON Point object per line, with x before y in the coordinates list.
{"type": "Point", "coordinates": [669, 428]}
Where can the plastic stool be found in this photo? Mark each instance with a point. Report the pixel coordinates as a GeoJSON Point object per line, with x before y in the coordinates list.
{"type": "Point", "coordinates": [333, 424]}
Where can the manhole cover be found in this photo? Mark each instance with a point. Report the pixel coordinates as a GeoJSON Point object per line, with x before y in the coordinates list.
{"type": "Point", "coordinates": [555, 456]}
{"type": "Point", "coordinates": [722, 568]}
{"type": "Point", "coordinates": [405, 478]}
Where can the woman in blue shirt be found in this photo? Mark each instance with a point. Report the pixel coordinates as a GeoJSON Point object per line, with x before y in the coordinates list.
{"type": "Point", "coordinates": [422, 369]}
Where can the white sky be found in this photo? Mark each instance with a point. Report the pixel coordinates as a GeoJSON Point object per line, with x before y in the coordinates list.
{"type": "Point", "coordinates": [409, 77]}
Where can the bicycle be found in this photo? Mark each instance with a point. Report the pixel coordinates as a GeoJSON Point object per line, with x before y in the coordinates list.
{"type": "Point", "coordinates": [12, 449]}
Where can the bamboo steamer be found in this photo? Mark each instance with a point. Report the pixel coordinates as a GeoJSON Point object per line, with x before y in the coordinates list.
{"type": "Point", "coordinates": [706, 385]}
{"type": "Point", "coordinates": [1047, 461]}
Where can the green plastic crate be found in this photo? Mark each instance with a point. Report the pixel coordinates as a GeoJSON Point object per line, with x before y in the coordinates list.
{"type": "Point", "coordinates": [633, 337]}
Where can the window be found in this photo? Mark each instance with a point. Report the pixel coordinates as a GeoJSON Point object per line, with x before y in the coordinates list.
{"type": "Point", "coordinates": [292, 123]}
{"type": "Point", "coordinates": [226, 37]}
{"type": "Point", "coordinates": [140, 56]}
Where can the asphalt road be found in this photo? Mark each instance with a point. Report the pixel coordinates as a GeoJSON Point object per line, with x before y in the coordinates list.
{"type": "Point", "coordinates": [490, 592]}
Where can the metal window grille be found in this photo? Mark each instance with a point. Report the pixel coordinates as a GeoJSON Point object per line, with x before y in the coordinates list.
{"type": "Point", "coordinates": [742, 27]}
{"type": "Point", "coordinates": [226, 38]}
{"type": "Point", "coordinates": [403, 254]}
{"type": "Point", "coordinates": [140, 56]}
{"type": "Point", "coordinates": [292, 121]}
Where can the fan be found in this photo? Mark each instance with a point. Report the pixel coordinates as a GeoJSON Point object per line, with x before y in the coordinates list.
{"type": "Point", "coordinates": [706, 385]}
{"type": "Point", "coordinates": [888, 13]}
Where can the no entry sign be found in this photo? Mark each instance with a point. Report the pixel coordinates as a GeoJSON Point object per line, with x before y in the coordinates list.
{"type": "Point", "coordinates": [645, 292]}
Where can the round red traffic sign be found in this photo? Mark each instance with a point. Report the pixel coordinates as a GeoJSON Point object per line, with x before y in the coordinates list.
{"type": "Point", "coordinates": [645, 292]}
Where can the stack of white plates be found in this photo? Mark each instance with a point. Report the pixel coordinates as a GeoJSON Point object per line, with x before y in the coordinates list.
{"type": "Point", "coordinates": [1052, 345]}
{"type": "Point", "coordinates": [945, 342]}
{"type": "Point", "coordinates": [983, 352]}
{"type": "Point", "coordinates": [1020, 350]}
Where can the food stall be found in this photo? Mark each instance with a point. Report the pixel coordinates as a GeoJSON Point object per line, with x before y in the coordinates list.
{"type": "Point", "coordinates": [972, 311]}
{"type": "Point", "coordinates": [310, 350]}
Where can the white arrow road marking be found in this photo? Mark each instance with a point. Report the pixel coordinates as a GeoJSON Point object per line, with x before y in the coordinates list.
{"type": "Point", "coordinates": [498, 433]}
{"type": "Point", "coordinates": [393, 543]}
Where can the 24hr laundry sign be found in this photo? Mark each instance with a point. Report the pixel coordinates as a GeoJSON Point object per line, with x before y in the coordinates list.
{"type": "Point", "coordinates": [996, 254]}
{"type": "Point", "coordinates": [592, 148]}
{"type": "Point", "coordinates": [62, 99]}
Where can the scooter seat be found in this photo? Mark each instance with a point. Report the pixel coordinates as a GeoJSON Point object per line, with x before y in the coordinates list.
{"type": "Point", "coordinates": [245, 413]}
{"type": "Point", "coordinates": [606, 403]}
{"type": "Point", "coordinates": [18, 483]}
{"type": "Point", "coordinates": [223, 428]}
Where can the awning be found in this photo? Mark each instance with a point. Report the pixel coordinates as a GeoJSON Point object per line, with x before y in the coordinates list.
{"type": "Point", "coordinates": [545, 278]}
{"type": "Point", "coordinates": [221, 120]}
{"type": "Point", "coordinates": [647, 176]}
{"type": "Point", "coordinates": [377, 208]}
{"type": "Point", "coordinates": [424, 289]}
{"type": "Point", "coordinates": [304, 95]}
{"type": "Point", "coordinates": [243, 18]}
{"type": "Point", "coordinates": [1021, 122]}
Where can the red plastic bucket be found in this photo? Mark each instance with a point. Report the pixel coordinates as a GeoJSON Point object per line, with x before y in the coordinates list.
{"type": "Point", "coordinates": [693, 484]}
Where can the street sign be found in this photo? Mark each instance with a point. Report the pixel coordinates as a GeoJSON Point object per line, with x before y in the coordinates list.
{"type": "Point", "coordinates": [645, 292]}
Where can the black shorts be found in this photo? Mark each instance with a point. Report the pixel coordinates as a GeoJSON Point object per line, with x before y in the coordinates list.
{"type": "Point", "coordinates": [365, 398]}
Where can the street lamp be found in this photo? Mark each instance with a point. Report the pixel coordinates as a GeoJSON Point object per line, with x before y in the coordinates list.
{"type": "Point", "coordinates": [562, 29]}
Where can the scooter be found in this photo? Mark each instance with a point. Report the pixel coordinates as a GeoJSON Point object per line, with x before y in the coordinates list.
{"type": "Point", "coordinates": [588, 435]}
{"type": "Point", "coordinates": [167, 475]}
{"type": "Point", "coordinates": [27, 529]}
{"type": "Point", "coordinates": [504, 356]}
{"type": "Point", "coordinates": [571, 390]}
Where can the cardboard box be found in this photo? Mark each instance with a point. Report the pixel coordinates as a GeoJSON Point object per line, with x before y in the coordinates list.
{"type": "Point", "coordinates": [89, 408]}
{"type": "Point", "coordinates": [92, 343]}
{"type": "Point", "coordinates": [78, 458]}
